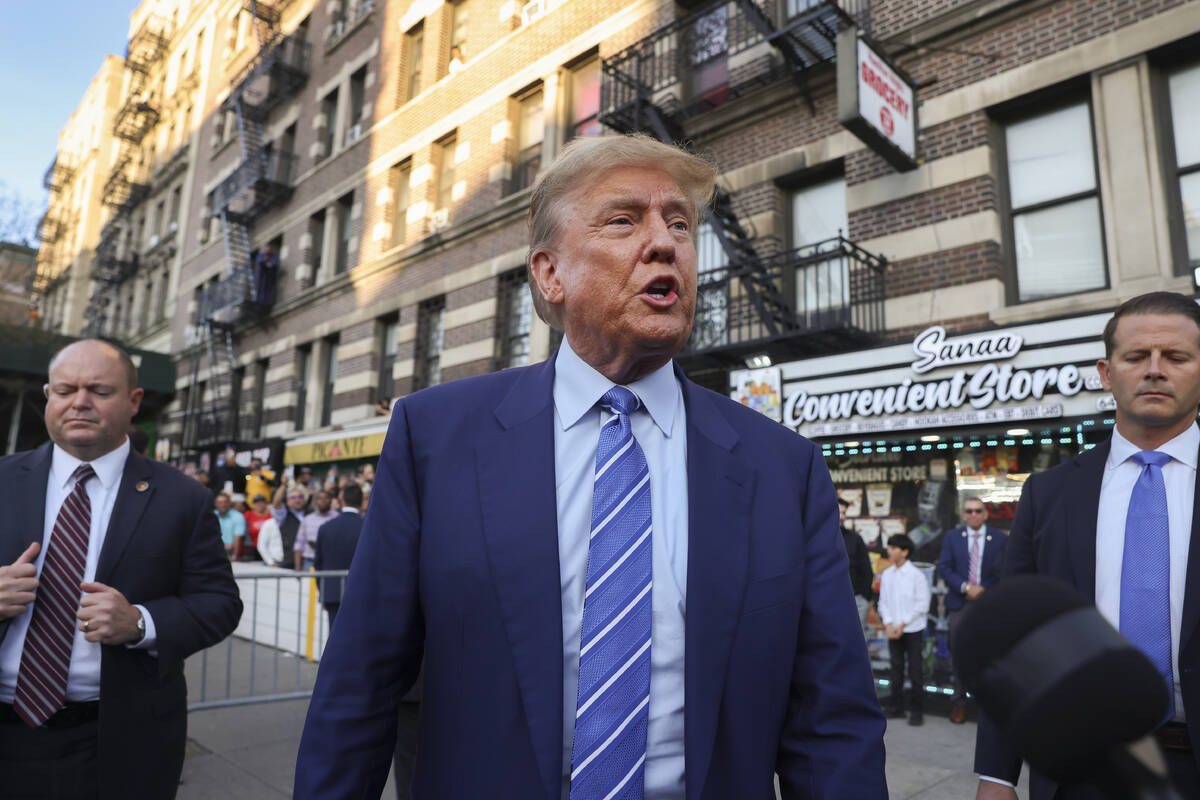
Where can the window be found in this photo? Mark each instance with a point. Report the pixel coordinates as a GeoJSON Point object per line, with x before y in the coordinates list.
{"type": "Point", "coordinates": [345, 208]}
{"type": "Point", "coordinates": [1183, 88]}
{"type": "Point", "coordinates": [199, 58]}
{"type": "Point", "coordinates": [530, 131]}
{"type": "Point", "coordinates": [303, 368]}
{"type": "Point", "coordinates": [160, 303]}
{"type": "Point", "coordinates": [711, 326]}
{"type": "Point", "coordinates": [329, 108]}
{"type": "Point", "coordinates": [818, 219]}
{"type": "Point", "coordinates": [400, 179]}
{"type": "Point", "coordinates": [260, 398]}
{"type": "Point", "coordinates": [389, 330]}
{"type": "Point", "coordinates": [1057, 239]}
{"type": "Point", "coordinates": [160, 218]}
{"type": "Point", "coordinates": [414, 46]}
{"type": "Point", "coordinates": [237, 388]}
{"type": "Point", "coordinates": [176, 203]}
{"type": "Point", "coordinates": [431, 314]}
{"type": "Point", "coordinates": [585, 100]}
{"type": "Point", "coordinates": [329, 372]}
{"type": "Point", "coordinates": [514, 317]}
{"type": "Point", "coordinates": [316, 231]}
{"type": "Point", "coordinates": [708, 60]}
{"type": "Point", "coordinates": [446, 157]}
{"type": "Point", "coordinates": [358, 88]}
{"type": "Point", "coordinates": [458, 37]}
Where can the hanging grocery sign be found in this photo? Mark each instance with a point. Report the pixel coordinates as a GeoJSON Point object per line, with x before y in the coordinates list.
{"type": "Point", "coordinates": [877, 101]}
{"type": "Point", "coordinates": [942, 381]}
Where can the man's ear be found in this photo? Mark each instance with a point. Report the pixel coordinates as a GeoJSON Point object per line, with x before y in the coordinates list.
{"type": "Point", "coordinates": [543, 263]}
{"type": "Point", "coordinates": [1102, 370]}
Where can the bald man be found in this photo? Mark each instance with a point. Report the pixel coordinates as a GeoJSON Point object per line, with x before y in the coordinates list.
{"type": "Point", "coordinates": [113, 573]}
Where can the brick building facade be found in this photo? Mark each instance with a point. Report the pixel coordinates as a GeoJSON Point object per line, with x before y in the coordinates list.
{"type": "Point", "coordinates": [385, 149]}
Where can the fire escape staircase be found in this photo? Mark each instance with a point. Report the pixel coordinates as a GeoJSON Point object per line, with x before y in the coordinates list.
{"type": "Point", "coordinates": [126, 185]}
{"type": "Point", "coordinates": [261, 182]}
{"type": "Point", "coordinates": [652, 87]}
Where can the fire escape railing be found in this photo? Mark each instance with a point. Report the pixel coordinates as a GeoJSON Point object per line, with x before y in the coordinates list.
{"type": "Point", "coordinates": [719, 52]}
{"type": "Point", "coordinates": [126, 186]}
{"type": "Point", "coordinates": [261, 181]}
{"type": "Point", "coordinates": [837, 290]}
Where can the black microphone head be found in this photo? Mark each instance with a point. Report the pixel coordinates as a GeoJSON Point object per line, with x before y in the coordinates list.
{"type": "Point", "coordinates": [1062, 684]}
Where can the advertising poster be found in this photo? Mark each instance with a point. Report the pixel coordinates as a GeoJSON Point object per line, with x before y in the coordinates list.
{"type": "Point", "coordinates": [760, 389]}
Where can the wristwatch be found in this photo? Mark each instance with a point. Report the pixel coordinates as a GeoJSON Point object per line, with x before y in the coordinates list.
{"type": "Point", "coordinates": [141, 628]}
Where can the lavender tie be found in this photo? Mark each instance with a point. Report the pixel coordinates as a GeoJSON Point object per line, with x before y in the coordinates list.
{"type": "Point", "coordinates": [1146, 568]}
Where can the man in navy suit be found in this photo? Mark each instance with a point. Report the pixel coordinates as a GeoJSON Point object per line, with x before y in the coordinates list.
{"type": "Point", "coordinates": [115, 573]}
{"type": "Point", "coordinates": [971, 559]}
{"type": "Point", "coordinates": [336, 543]}
{"type": "Point", "coordinates": [1083, 522]}
{"type": "Point", "coordinates": [622, 585]}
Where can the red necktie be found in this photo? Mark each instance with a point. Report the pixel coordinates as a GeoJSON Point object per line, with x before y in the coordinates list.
{"type": "Point", "coordinates": [42, 681]}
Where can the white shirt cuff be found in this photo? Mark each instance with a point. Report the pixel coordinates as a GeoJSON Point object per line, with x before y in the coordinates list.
{"type": "Point", "coordinates": [997, 780]}
{"type": "Point", "coordinates": [151, 638]}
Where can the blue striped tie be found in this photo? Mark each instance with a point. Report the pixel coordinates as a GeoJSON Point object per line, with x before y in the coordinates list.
{"type": "Point", "coordinates": [1146, 568]}
{"type": "Point", "coordinates": [612, 712]}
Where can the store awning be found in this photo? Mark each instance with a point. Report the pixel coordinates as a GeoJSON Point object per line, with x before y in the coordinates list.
{"type": "Point", "coordinates": [360, 442]}
{"type": "Point", "coordinates": [27, 352]}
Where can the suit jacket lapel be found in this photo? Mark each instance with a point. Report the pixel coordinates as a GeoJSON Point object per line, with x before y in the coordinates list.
{"type": "Point", "coordinates": [515, 467]}
{"type": "Point", "coordinates": [719, 491]}
{"type": "Point", "coordinates": [29, 492]}
{"type": "Point", "coordinates": [1083, 486]}
{"type": "Point", "coordinates": [1191, 599]}
{"type": "Point", "coordinates": [127, 513]}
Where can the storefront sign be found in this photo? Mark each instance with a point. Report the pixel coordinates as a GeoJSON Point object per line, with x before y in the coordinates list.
{"type": "Point", "coordinates": [989, 378]}
{"type": "Point", "coordinates": [934, 350]}
{"type": "Point", "coordinates": [876, 101]}
{"type": "Point", "coordinates": [335, 449]}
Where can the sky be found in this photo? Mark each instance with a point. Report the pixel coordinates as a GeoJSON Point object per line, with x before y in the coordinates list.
{"type": "Point", "coordinates": [49, 52]}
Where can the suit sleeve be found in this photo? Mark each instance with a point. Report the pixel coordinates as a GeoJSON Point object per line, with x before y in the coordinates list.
{"type": "Point", "coordinates": [832, 740]}
{"type": "Point", "coordinates": [950, 575]}
{"type": "Point", "coordinates": [861, 562]}
{"type": "Point", "coordinates": [206, 606]}
{"type": "Point", "coordinates": [993, 757]}
{"type": "Point", "coordinates": [371, 659]}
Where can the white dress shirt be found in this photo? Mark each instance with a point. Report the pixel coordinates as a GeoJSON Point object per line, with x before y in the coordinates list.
{"type": "Point", "coordinates": [660, 430]}
{"type": "Point", "coordinates": [83, 676]}
{"type": "Point", "coordinates": [1120, 475]}
{"type": "Point", "coordinates": [904, 597]}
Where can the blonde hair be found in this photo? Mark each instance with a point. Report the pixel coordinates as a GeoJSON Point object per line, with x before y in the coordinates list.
{"type": "Point", "coordinates": [583, 159]}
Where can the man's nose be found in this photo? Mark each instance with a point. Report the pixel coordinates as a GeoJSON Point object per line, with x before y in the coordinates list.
{"type": "Point", "coordinates": [1154, 364]}
{"type": "Point", "coordinates": [660, 244]}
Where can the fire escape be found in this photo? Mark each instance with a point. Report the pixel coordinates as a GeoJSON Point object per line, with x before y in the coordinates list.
{"type": "Point", "coordinates": [262, 181]}
{"type": "Point", "coordinates": [814, 299]}
{"type": "Point", "coordinates": [126, 186]}
{"type": "Point", "coordinates": [52, 229]}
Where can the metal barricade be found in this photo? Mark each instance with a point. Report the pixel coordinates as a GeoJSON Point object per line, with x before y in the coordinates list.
{"type": "Point", "coordinates": [282, 621]}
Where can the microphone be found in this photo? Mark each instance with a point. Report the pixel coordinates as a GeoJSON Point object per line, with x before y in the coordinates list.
{"type": "Point", "coordinates": [1066, 689]}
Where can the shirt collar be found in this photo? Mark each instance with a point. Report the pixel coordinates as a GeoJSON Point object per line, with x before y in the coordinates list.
{"type": "Point", "coordinates": [108, 467]}
{"type": "Point", "coordinates": [578, 387]}
{"type": "Point", "coordinates": [350, 509]}
{"type": "Point", "coordinates": [975, 531]}
{"type": "Point", "coordinates": [1183, 448]}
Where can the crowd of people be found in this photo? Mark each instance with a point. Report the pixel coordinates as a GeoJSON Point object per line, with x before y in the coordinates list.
{"type": "Point", "coordinates": [275, 519]}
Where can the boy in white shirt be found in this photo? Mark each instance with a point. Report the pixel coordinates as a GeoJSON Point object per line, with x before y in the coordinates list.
{"type": "Point", "coordinates": [903, 607]}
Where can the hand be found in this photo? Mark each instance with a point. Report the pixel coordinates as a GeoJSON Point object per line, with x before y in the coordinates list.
{"type": "Point", "coordinates": [973, 591]}
{"type": "Point", "coordinates": [105, 616]}
{"type": "Point", "coordinates": [990, 790]}
{"type": "Point", "coordinates": [18, 582]}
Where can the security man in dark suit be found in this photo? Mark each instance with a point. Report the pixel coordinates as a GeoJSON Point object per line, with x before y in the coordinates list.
{"type": "Point", "coordinates": [1096, 522]}
{"type": "Point", "coordinates": [115, 573]}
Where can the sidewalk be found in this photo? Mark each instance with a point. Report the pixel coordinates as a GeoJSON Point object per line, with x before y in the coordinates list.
{"type": "Point", "coordinates": [249, 751]}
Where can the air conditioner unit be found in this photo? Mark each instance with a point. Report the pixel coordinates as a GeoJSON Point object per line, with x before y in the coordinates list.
{"type": "Point", "coordinates": [354, 133]}
{"type": "Point", "coordinates": [154, 240]}
{"type": "Point", "coordinates": [336, 30]}
{"type": "Point", "coordinates": [441, 219]}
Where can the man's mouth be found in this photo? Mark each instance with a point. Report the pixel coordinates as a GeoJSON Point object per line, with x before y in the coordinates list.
{"type": "Point", "coordinates": [661, 290]}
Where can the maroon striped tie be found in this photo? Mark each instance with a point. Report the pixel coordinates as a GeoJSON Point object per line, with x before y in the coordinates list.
{"type": "Point", "coordinates": [42, 681]}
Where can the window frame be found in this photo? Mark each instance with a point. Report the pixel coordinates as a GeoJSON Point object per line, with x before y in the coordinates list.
{"type": "Point", "coordinates": [304, 374]}
{"type": "Point", "coordinates": [1173, 172]}
{"type": "Point", "coordinates": [427, 358]}
{"type": "Point", "coordinates": [513, 283]}
{"type": "Point", "coordinates": [1057, 99]}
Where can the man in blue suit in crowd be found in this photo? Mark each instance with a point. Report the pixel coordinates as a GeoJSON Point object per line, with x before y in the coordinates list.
{"type": "Point", "coordinates": [972, 556]}
{"type": "Point", "coordinates": [622, 585]}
